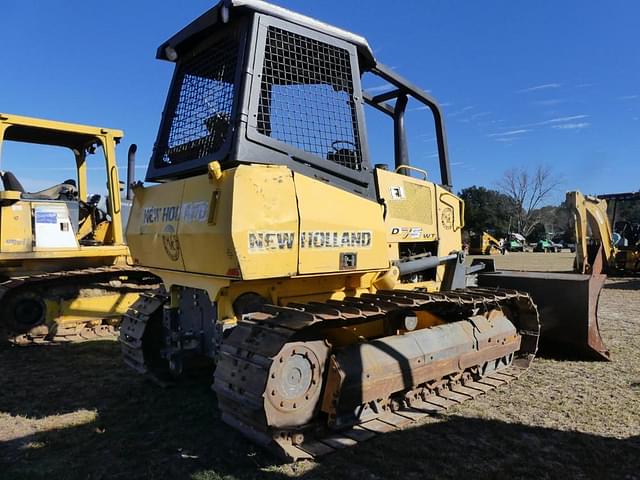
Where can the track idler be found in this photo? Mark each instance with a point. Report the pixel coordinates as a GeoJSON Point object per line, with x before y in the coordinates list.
{"type": "Point", "coordinates": [295, 383]}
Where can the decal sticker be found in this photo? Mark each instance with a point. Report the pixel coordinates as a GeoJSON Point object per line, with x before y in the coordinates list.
{"type": "Point", "coordinates": [151, 215]}
{"type": "Point", "coordinates": [195, 212]}
{"type": "Point", "coordinates": [46, 217]}
{"type": "Point", "coordinates": [447, 218]}
{"type": "Point", "coordinates": [411, 232]}
{"type": "Point", "coordinates": [397, 192]}
{"type": "Point", "coordinates": [171, 243]}
{"type": "Point", "coordinates": [187, 212]}
{"type": "Point", "coordinates": [15, 241]}
{"type": "Point", "coordinates": [336, 239]}
{"type": "Point", "coordinates": [268, 241]}
{"type": "Point", "coordinates": [282, 240]}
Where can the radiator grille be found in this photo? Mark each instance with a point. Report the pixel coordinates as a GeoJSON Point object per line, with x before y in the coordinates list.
{"type": "Point", "coordinates": [306, 97]}
{"type": "Point", "coordinates": [202, 102]}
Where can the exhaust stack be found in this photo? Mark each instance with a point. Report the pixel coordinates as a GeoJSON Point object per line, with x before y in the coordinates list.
{"type": "Point", "coordinates": [131, 169]}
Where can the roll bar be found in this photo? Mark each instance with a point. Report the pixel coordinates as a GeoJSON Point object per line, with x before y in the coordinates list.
{"type": "Point", "coordinates": [404, 89]}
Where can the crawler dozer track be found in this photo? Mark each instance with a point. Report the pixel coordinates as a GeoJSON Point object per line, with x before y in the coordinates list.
{"type": "Point", "coordinates": [134, 329]}
{"type": "Point", "coordinates": [24, 300]}
{"type": "Point", "coordinates": [280, 383]}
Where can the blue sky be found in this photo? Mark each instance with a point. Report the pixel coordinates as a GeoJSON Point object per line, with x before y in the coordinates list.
{"type": "Point", "coordinates": [521, 83]}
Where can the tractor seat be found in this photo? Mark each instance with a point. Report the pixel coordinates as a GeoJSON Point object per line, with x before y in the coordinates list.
{"type": "Point", "coordinates": [66, 190]}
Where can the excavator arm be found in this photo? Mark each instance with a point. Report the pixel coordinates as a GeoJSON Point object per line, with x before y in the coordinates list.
{"type": "Point", "coordinates": [591, 218]}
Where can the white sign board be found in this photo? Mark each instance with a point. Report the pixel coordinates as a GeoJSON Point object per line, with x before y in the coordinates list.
{"type": "Point", "coordinates": [53, 228]}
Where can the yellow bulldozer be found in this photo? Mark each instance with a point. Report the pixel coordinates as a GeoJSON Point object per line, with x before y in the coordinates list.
{"type": "Point", "coordinates": [485, 244]}
{"type": "Point", "coordinates": [331, 295]}
{"type": "Point", "coordinates": [64, 269]}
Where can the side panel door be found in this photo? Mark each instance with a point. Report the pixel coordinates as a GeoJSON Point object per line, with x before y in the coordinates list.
{"type": "Point", "coordinates": [410, 207]}
{"type": "Point", "coordinates": [339, 231]}
{"type": "Point", "coordinates": [265, 221]}
{"type": "Point", "coordinates": [152, 231]}
{"type": "Point", "coordinates": [205, 226]}
{"type": "Point", "coordinates": [15, 228]}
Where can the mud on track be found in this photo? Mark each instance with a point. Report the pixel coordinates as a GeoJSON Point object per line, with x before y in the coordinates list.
{"type": "Point", "coordinates": [73, 411]}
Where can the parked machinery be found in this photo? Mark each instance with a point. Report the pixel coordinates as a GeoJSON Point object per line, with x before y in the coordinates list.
{"type": "Point", "coordinates": [64, 273]}
{"type": "Point", "coordinates": [626, 233]}
{"type": "Point", "coordinates": [515, 243]}
{"type": "Point", "coordinates": [485, 244]}
{"type": "Point", "coordinates": [594, 236]}
{"type": "Point", "coordinates": [545, 245]}
{"type": "Point", "coordinates": [331, 295]}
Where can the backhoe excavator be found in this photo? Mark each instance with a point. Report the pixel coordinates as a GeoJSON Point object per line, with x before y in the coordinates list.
{"type": "Point", "coordinates": [594, 236]}
{"type": "Point", "coordinates": [64, 269]}
{"type": "Point", "coordinates": [330, 294]}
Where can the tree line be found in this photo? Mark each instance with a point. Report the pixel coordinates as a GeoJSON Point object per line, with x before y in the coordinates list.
{"type": "Point", "coordinates": [520, 204]}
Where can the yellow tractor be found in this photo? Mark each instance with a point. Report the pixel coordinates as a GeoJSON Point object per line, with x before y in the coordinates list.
{"type": "Point", "coordinates": [330, 294]}
{"type": "Point", "coordinates": [485, 244]}
{"type": "Point", "coordinates": [626, 233]}
{"type": "Point", "coordinates": [64, 270]}
{"type": "Point", "coordinates": [596, 251]}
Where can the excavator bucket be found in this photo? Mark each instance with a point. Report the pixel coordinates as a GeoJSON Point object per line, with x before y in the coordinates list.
{"type": "Point", "coordinates": [568, 307]}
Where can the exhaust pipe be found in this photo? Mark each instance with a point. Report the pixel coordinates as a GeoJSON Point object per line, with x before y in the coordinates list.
{"type": "Point", "coordinates": [131, 169]}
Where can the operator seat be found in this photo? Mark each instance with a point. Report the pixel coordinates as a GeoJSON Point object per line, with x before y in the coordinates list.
{"type": "Point", "coordinates": [66, 190]}
{"type": "Point", "coordinates": [10, 182]}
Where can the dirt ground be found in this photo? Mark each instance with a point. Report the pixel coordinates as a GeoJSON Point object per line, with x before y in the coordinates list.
{"type": "Point", "coordinates": [74, 411]}
{"type": "Point", "coordinates": [536, 262]}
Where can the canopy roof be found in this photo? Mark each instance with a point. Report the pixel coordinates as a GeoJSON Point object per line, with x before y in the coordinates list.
{"type": "Point", "coordinates": [227, 8]}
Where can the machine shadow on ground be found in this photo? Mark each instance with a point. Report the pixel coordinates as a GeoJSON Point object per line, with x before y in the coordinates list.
{"type": "Point", "coordinates": [73, 411]}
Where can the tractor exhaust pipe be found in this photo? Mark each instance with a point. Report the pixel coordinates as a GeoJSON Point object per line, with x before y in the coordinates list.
{"type": "Point", "coordinates": [131, 169]}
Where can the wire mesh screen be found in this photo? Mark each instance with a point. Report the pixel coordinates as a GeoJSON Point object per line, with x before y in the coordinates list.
{"type": "Point", "coordinates": [202, 101]}
{"type": "Point", "coordinates": [306, 97]}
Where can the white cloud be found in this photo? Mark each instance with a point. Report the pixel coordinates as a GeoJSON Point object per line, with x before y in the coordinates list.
{"type": "Point", "coordinates": [629, 97]}
{"type": "Point", "coordinates": [455, 164]}
{"type": "Point", "coordinates": [461, 111]}
{"type": "Point", "coordinates": [563, 119]}
{"type": "Point", "coordinates": [550, 121]}
{"type": "Point", "coordinates": [510, 133]}
{"type": "Point", "coordinates": [571, 126]}
{"type": "Point", "coordinates": [585, 85]}
{"type": "Point", "coordinates": [479, 115]}
{"type": "Point", "coordinates": [550, 102]}
{"type": "Point", "coordinates": [544, 86]}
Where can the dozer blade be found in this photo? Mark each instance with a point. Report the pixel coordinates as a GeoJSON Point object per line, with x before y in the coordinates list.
{"type": "Point", "coordinates": [568, 307]}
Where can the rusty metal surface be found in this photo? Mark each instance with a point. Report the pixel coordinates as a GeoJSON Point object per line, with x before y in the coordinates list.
{"type": "Point", "coordinates": [568, 306]}
{"type": "Point", "coordinates": [266, 375]}
{"type": "Point", "coordinates": [79, 332]}
{"type": "Point", "coordinates": [371, 370]}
